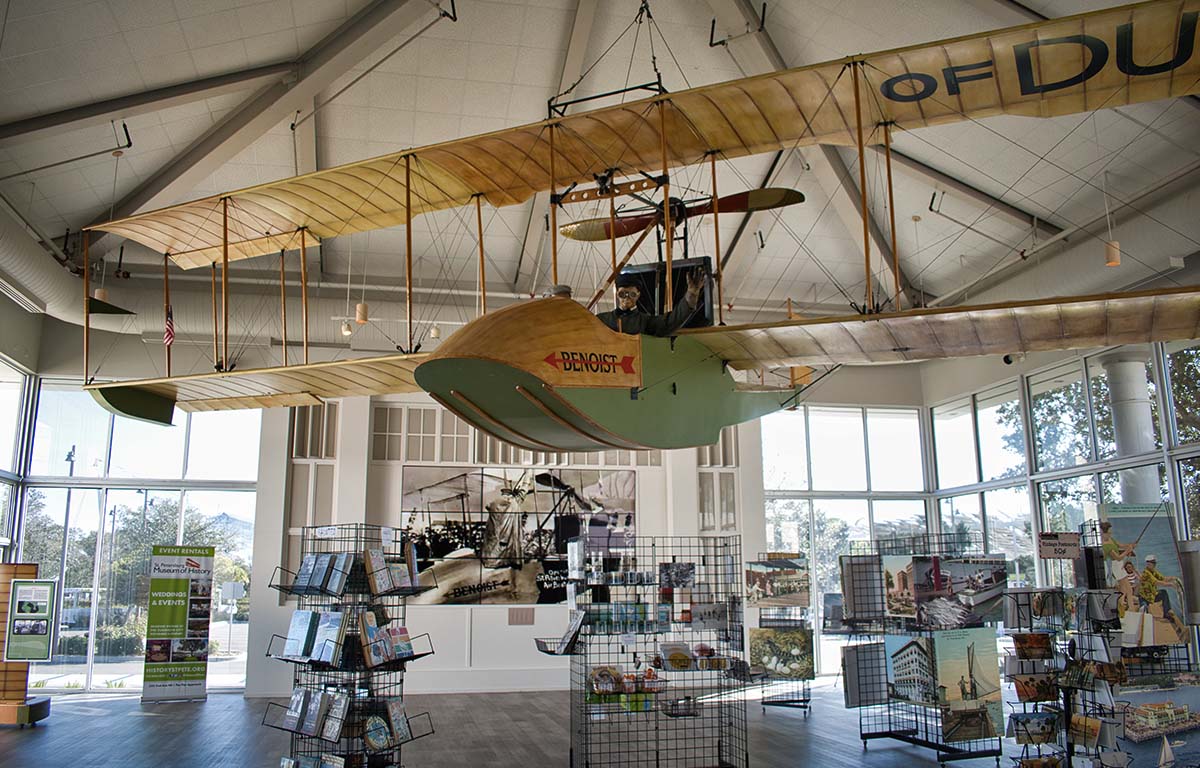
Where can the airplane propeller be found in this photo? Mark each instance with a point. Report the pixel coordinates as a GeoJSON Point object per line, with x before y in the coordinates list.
{"type": "Point", "coordinates": [742, 202]}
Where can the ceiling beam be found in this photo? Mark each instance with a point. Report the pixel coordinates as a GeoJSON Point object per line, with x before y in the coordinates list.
{"type": "Point", "coordinates": [133, 104]}
{"type": "Point", "coordinates": [754, 54]}
{"type": "Point", "coordinates": [534, 239]}
{"type": "Point", "coordinates": [317, 69]}
{"type": "Point", "coordinates": [945, 180]}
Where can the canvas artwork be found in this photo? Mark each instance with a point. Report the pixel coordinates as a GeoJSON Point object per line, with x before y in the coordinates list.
{"type": "Point", "coordinates": [898, 586]}
{"type": "Point", "coordinates": [1085, 730]}
{"type": "Point", "coordinates": [496, 535]}
{"type": "Point", "coordinates": [1165, 706]}
{"type": "Point", "coordinates": [910, 669]}
{"type": "Point", "coordinates": [1142, 564]}
{"type": "Point", "coordinates": [958, 592]}
{"type": "Point", "coordinates": [783, 653]}
{"type": "Point", "coordinates": [676, 575]}
{"type": "Point", "coordinates": [968, 675]}
{"type": "Point", "coordinates": [778, 583]}
{"type": "Point", "coordinates": [1033, 645]}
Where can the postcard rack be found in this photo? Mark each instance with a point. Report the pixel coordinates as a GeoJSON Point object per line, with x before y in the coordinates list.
{"type": "Point", "coordinates": [881, 716]}
{"type": "Point", "coordinates": [785, 691]}
{"type": "Point", "coordinates": [369, 688]}
{"type": "Point", "coordinates": [658, 668]}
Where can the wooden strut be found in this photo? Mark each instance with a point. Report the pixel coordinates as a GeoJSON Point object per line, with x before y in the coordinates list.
{"type": "Point", "coordinates": [862, 185]}
{"type": "Point", "coordinates": [612, 241]}
{"type": "Point", "coordinates": [166, 307]}
{"type": "Point", "coordinates": [408, 249]}
{"type": "Point", "coordinates": [482, 272]}
{"type": "Point", "coordinates": [669, 302]}
{"type": "Point", "coordinates": [225, 283]}
{"type": "Point", "coordinates": [716, 206]}
{"type": "Point", "coordinates": [553, 215]}
{"type": "Point", "coordinates": [216, 353]}
{"type": "Point", "coordinates": [283, 307]}
{"type": "Point", "coordinates": [887, 155]}
{"type": "Point", "coordinates": [621, 265]}
{"type": "Point", "coordinates": [304, 290]}
{"type": "Point", "coordinates": [87, 302]}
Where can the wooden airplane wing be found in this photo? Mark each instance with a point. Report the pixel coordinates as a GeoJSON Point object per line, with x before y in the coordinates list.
{"type": "Point", "coordinates": [154, 400]}
{"type": "Point", "coordinates": [1079, 322]}
{"type": "Point", "coordinates": [1096, 60]}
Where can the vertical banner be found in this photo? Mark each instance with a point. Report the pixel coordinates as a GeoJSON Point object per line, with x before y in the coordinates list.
{"type": "Point", "coordinates": [177, 621]}
{"type": "Point", "coordinates": [30, 631]}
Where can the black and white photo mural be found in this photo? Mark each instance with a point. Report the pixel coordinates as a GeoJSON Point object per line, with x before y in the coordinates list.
{"type": "Point", "coordinates": [499, 535]}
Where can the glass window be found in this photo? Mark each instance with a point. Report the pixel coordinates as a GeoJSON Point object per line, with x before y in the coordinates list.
{"type": "Point", "coordinates": [954, 444]}
{"type": "Point", "coordinates": [961, 515]}
{"type": "Point", "coordinates": [836, 522]}
{"type": "Point", "coordinates": [224, 520]}
{"type": "Point", "coordinates": [422, 434]}
{"type": "Point", "coordinates": [1183, 363]}
{"type": "Point", "coordinates": [839, 458]}
{"type": "Point", "coordinates": [1010, 531]}
{"type": "Point", "coordinates": [224, 445]}
{"type": "Point", "coordinates": [708, 502]}
{"type": "Point", "coordinates": [456, 438]}
{"type": "Point", "coordinates": [727, 496]}
{"type": "Point", "coordinates": [12, 383]}
{"type": "Point", "coordinates": [71, 433]}
{"type": "Point", "coordinates": [785, 458]}
{"type": "Point", "coordinates": [386, 432]}
{"type": "Point", "coordinates": [1189, 482]}
{"type": "Point", "coordinates": [1137, 485]}
{"type": "Point", "coordinates": [1001, 432]}
{"type": "Point", "coordinates": [7, 496]}
{"type": "Point", "coordinates": [898, 517]}
{"type": "Point", "coordinates": [79, 512]}
{"type": "Point", "coordinates": [895, 448]}
{"type": "Point", "coordinates": [1125, 401]}
{"type": "Point", "coordinates": [787, 525]}
{"type": "Point", "coordinates": [141, 449]}
{"type": "Point", "coordinates": [1066, 503]}
{"type": "Point", "coordinates": [1060, 418]}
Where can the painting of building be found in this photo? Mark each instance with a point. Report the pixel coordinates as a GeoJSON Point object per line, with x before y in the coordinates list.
{"type": "Point", "coordinates": [912, 671]}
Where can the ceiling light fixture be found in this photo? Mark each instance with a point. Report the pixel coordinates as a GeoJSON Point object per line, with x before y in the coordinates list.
{"type": "Point", "coordinates": [347, 329]}
{"type": "Point", "coordinates": [435, 332]}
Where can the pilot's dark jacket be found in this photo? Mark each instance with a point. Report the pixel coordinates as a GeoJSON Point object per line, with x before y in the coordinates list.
{"type": "Point", "coordinates": [635, 321]}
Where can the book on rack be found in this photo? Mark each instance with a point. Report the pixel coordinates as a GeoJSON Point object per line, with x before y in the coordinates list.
{"type": "Point", "coordinates": [330, 634]}
{"type": "Point", "coordinates": [400, 577]}
{"type": "Point", "coordinates": [308, 762]}
{"type": "Point", "coordinates": [410, 559]}
{"type": "Point", "coordinates": [331, 761]}
{"type": "Point", "coordinates": [402, 646]}
{"type": "Point", "coordinates": [401, 731]}
{"type": "Point", "coordinates": [287, 762]}
{"type": "Point", "coordinates": [304, 573]}
{"type": "Point", "coordinates": [376, 735]}
{"type": "Point", "coordinates": [376, 644]}
{"type": "Point", "coordinates": [295, 711]}
{"type": "Point", "coordinates": [301, 633]}
{"type": "Point", "coordinates": [379, 576]}
{"type": "Point", "coordinates": [314, 715]}
{"type": "Point", "coordinates": [340, 574]}
{"type": "Point", "coordinates": [335, 718]}
{"type": "Point", "coordinates": [320, 574]}
{"type": "Point", "coordinates": [567, 643]}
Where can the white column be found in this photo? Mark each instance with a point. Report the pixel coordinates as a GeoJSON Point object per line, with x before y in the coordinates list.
{"type": "Point", "coordinates": [1133, 420]}
{"type": "Point", "coordinates": [683, 492]}
{"type": "Point", "coordinates": [752, 524]}
{"type": "Point", "coordinates": [353, 438]}
{"type": "Point", "coordinates": [268, 615]}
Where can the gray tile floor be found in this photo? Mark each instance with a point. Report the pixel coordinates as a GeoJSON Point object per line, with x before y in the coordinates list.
{"type": "Point", "coordinates": [514, 730]}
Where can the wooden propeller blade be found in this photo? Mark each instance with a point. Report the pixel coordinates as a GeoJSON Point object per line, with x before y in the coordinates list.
{"type": "Point", "coordinates": [597, 229]}
{"type": "Point", "coordinates": [743, 202]}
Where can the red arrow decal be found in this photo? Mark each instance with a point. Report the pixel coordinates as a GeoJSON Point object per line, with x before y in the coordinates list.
{"type": "Point", "coordinates": [554, 360]}
{"type": "Point", "coordinates": [626, 364]}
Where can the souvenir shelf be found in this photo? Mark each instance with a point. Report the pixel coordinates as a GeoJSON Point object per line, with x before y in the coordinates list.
{"type": "Point", "coordinates": [369, 688]}
{"type": "Point", "coordinates": [1034, 621]}
{"type": "Point", "coordinates": [864, 661]}
{"type": "Point", "coordinates": [659, 663]}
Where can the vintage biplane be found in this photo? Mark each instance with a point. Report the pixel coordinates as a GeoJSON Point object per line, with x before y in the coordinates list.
{"type": "Point", "coordinates": [545, 374]}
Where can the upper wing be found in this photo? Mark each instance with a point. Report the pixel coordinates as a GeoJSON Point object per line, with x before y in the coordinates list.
{"type": "Point", "coordinates": [154, 400]}
{"type": "Point", "coordinates": [1079, 322]}
{"type": "Point", "coordinates": [1078, 63]}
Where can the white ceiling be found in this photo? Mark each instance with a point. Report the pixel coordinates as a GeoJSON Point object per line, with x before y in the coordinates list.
{"type": "Point", "coordinates": [498, 65]}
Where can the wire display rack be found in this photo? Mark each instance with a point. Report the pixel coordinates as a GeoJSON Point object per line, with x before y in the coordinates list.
{"type": "Point", "coordinates": [785, 691]}
{"type": "Point", "coordinates": [912, 722]}
{"type": "Point", "coordinates": [658, 669]}
{"type": "Point", "coordinates": [368, 688]}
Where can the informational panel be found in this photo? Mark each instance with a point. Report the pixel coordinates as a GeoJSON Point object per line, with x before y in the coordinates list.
{"type": "Point", "coordinates": [181, 581]}
{"type": "Point", "coordinates": [29, 631]}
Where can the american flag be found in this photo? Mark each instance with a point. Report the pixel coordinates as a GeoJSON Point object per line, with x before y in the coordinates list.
{"type": "Point", "coordinates": [169, 330]}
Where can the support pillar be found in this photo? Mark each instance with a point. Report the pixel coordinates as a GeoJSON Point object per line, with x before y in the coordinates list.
{"type": "Point", "coordinates": [1133, 420]}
